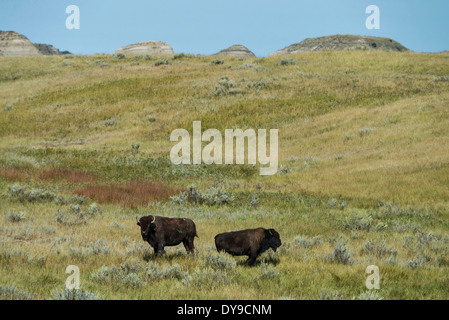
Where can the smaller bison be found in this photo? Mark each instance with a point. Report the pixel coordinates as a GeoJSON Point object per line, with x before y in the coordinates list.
{"type": "Point", "coordinates": [250, 242]}
{"type": "Point", "coordinates": [160, 232]}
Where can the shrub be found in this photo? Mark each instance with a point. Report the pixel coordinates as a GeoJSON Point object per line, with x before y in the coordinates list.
{"type": "Point", "coordinates": [284, 171]}
{"type": "Point", "coordinates": [132, 280]}
{"type": "Point", "coordinates": [214, 196]}
{"type": "Point", "coordinates": [99, 247]}
{"type": "Point", "coordinates": [95, 248]}
{"type": "Point", "coordinates": [9, 292]}
{"type": "Point", "coordinates": [286, 62]}
{"type": "Point", "coordinates": [420, 260]}
{"type": "Point", "coordinates": [24, 233]}
{"type": "Point", "coordinates": [99, 63]}
{"type": "Point", "coordinates": [254, 200]}
{"type": "Point", "coordinates": [365, 131]}
{"type": "Point", "coordinates": [39, 261]}
{"type": "Point", "coordinates": [335, 204]}
{"type": "Point", "coordinates": [78, 253]}
{"type": "Point", "coordinates": [308, 162]}
{"type": "Point", "coordinates": [378, 250]}
{"type": "Point", "coordinates": [151, 118]}
{"type": "Point", "coordinates": [358, 222]}
{"type": "Point", "coordinates": [306, 242]}
{"type": "Point", "coordinates": [392, 260]}
{"type": "Point", "coordinates": [220, 261]}
{"type": "Point", "coordinates": [155, 272]}
{"type": "Point", "coordinates": [181, 198]}
{"type": "Point", "coordinates": [340, 253]}
{"type": "Point", "coordinates": [211, 196]}
{"type": "Point", "coordinates": [380, 226]}
{"type": "Point", "coordinates": [93, 209]}
{"type": "Point", "coordinates": [179, 56]}
{"type": "Point", "coordinates": [117, 225]}
{"type": "Point", "coordinates": [271, 257]}
{"type": "Point", "coordinates": [135, 147]}
{"type": "Point", "coordinates": [106, 275]}
{"type": "Point", "coordinates": [39, 194]}
{"type": "Point", "coordinates": [16, 191]}
{"type": "Point", "coordinates": [234, 91]}
{"type": "Point", "coordinates": [246, 65]}
{"type": "Point", "coordinates": [257, 85]}
{"type": "Point", "coordinates": [225, 86]}
{"type": "Point", "coordinates": [119, 55]}
{"type": "Point", "coordinates": [7, 107]}
{"type": "Point", "coordinates": [34, 195]}
{"type": "Point", "coordinates": [70, 199]}
{"type": "Point", "coordinates": [48, 229]}
{"type": "Point", "coordinates": [388, 208]}
{"type": "Point", "coordinates": [15, 217]}
{"type": "Point", "coordinates": [72, 218]}
{"type": "Point", "coordinates": [217, 61]}
{"type": "Point", "coordinates": [110, 122]}
{"type": "Point", "coordinates": [132, 266]}
{"type": "Point", "coordinates": [162, 62]}
{"type": "Point", "coordinates": [206, 278]}
{"type": "Point", "coordinates": [441, 79]}
{"type": "Point", "coordinates": [368, 295]}
{"type": "Point", "coordinates": [333, 295]}
{"type": "Point", "coordinates": [269, 272]}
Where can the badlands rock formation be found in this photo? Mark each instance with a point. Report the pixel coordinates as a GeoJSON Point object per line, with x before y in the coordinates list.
{"type": "Point", "coordinates": [15, 44]}
{"type": "Point", "coordinates": [236, 50]}
{"type": "Point", "coordinates": [157, 48]}
{"type": "Point", "coordinates": [342, 42]}
{"type": "Point", "coordinates": [47, 49]}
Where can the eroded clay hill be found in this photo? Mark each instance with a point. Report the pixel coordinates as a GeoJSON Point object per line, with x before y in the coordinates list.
{"type": "Point", "coordinates": [342, 42]}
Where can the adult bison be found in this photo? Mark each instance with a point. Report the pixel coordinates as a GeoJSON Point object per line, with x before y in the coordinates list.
{"type": "Point", "coordinates": [160, 232]}
{"type": "Point", "coordinates": [249, 242]}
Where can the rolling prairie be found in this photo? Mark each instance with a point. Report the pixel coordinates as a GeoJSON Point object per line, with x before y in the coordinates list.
{"type": "Point", "coordinates": [363, 175]}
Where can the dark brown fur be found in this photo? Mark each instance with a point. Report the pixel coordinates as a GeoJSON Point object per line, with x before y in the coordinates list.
{"type": "Point", "coordinates": [249, 242]}
{"type": "Point", "coordinates": [160, 232]}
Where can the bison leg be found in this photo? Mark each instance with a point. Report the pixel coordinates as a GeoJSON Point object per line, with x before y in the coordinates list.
{"type": "Point", "coordinates": [251, 260]}
{"type": "Point", "coordinates": [159, 249]}
{"type": "Point", "coordinates": [188, 245]}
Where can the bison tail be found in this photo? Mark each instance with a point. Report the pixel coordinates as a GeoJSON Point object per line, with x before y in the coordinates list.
{"type": "Point", "coordinates": [196, 235]}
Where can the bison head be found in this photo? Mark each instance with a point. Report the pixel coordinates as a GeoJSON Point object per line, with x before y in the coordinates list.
{"type": "Point", "coordinates": [272, 239]}
{"type": "Point", "coordinates": [147, 225]}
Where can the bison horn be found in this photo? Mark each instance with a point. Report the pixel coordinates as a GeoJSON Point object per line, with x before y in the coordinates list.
{"type": "Point", "coordinates": [154, 219]}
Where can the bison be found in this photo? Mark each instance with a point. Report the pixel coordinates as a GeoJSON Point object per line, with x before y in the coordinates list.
{"type": "Point", "coordinates": [161, 231]}
{"type": "Point", "coordinates": [250, 242]}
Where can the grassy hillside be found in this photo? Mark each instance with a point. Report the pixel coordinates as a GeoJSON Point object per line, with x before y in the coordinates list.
{"type": "Point", "coordinates": [363, 179]}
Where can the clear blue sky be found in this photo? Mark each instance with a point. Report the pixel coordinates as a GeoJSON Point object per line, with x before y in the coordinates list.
{"type": "Point", "coordinates": [207, 26]}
